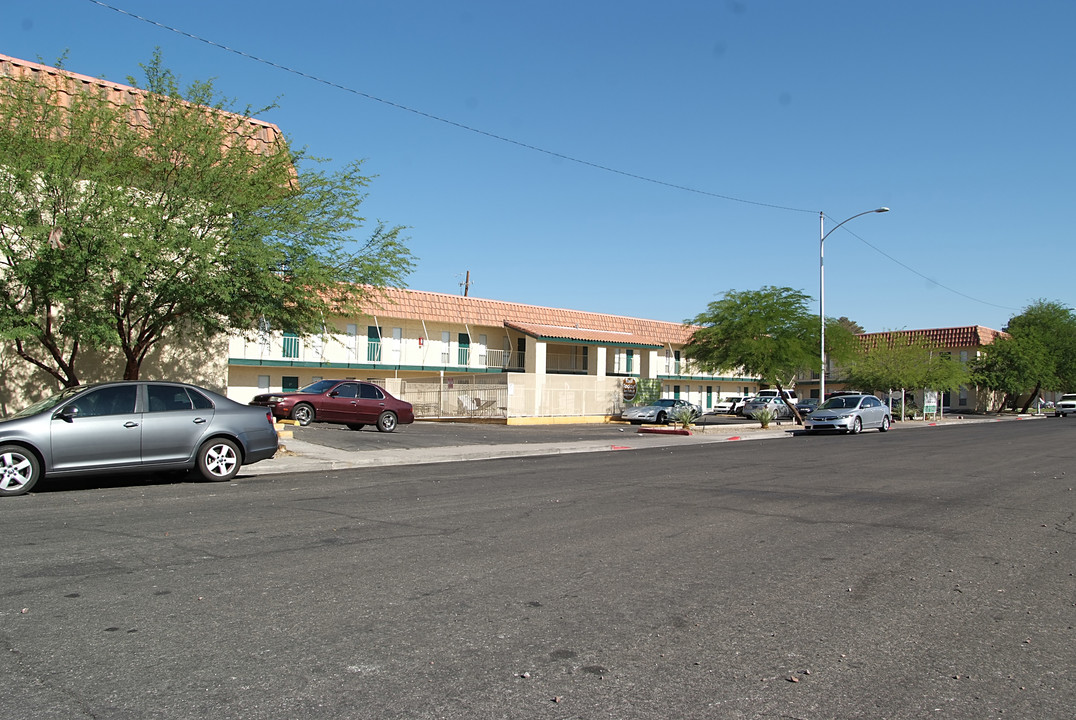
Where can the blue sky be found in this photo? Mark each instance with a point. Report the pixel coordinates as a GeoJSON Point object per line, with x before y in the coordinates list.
{"type": "Point", "coordinates": [661, 154]}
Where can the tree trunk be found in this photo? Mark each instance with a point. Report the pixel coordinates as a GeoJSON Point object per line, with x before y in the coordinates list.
{"type": "Point", "coordinates": [797, 418]}
{"type": "Point", "coordinates": [1033, 397]}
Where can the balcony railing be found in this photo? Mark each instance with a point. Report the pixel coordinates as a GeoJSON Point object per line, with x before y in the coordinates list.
{"type": "Point", "coordinates": [505, 359]}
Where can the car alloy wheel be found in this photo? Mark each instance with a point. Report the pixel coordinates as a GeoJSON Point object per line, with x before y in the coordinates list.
{"type": "Point", "coordinates": [885, 424]}
{"type": "Point", "coordinates": [857, 426]}
{"type": "Point", "coordinates": [218, 460]}
{"type": "Point", "coordinates": [19, 470]}
{"type": "Point", "coordinates": [303, 414]}
{"type": "Point", "coordinates": [386, 422]}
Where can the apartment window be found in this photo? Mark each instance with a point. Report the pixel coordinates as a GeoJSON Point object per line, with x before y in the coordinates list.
{"type": "Point", "coordinates": [446, 346]}
{"type": "Point", "coordinates": [353, 340]}
{"type": "Point", "coordinates": [464, 351]}
{"type": "Point", "coordinates": [483, 340]}
{"type": "Point", "coordinates": [373, 344]}
{"type": "Point", "coordinates": [629, 360]}
{"type": "Point", "coordinates": [676, 363]}
{"type": "Point", "coordinates": [290, 345]}
{"type": "Point", "coordinates": [289, 383]}
{"type": "Point", "coordinates": [263, 383]}
{"type": "Point", "coordinates": [397, 344]}
{"type": "Point", "coordinates": [586, 357]}
{"type": "Point", "coordinates": [962, 398]}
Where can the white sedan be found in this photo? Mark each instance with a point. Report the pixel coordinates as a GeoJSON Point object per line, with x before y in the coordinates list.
{"type": "Point", "coordinates": [729, 405]}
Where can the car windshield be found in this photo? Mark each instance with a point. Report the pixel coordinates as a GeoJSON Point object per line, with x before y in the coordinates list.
{"type": "Point", "coordinates": [840, 403]}
{"type": "Point", "coordinates": [319, 387]}
{"type": "Point", "coordinates": [50, 402]}
{"type": "Point", "coordinates": [665, 403]}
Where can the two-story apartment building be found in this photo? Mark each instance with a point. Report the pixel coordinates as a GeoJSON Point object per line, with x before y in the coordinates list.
{"type": "Point", "coordinates": [456, 356]}
{"type": "Point", "coordinates": [960, 343]}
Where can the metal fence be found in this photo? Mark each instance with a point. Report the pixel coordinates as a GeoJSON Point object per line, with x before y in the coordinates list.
{"type": "Point", "coordinates": [457, 397]}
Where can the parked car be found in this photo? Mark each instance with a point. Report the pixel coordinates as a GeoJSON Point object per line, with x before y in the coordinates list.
{"type": "Point", "coordinates": [772, 393]}
{"type": "Point", "coordinates": [767, 402]}
{"type": "Point", "coordinates": [659, 411]}
{"type": "Point", "coordinates": [730, 405]}
{"type": "Point", "coordinates": [849, 414]}
{"type": "Point", "coordinates": [348, 402]}
{"type": "Point", "coordinates": [806, 406]}
{"type": "Point", "coordinates": [131, 426]}
{"type": "Point", "coordinates": [1066, 405]}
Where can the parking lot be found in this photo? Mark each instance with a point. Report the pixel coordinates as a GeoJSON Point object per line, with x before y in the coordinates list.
{"type": "Point", "coordinates": [429, 434]}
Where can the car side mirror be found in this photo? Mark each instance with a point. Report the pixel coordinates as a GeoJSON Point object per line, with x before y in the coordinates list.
{"type": "Point", "coordinates": [68, 414]}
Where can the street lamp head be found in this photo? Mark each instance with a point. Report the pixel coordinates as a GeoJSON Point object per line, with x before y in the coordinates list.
{"type": "Point", "coordinates": [882, 209]}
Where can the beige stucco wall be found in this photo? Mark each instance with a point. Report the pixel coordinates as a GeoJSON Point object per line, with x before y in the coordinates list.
{"type": "Point", "coordinates": [191, 359]}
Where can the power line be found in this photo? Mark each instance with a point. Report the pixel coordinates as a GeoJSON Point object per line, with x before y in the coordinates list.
{"type": "Point", "coordinates": [518, 143]}
{"type": "Point", "coordinates": [446, 121]}
{"type": "Point", "coordinates": [925, 277]}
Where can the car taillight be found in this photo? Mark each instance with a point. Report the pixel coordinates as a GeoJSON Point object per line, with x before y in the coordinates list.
{"type": "Point", "coordinates": [269, 417]}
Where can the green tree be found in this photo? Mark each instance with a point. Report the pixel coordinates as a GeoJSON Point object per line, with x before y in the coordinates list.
{"type": "Point", "coordinates": [852, 326]}
{"type": "Point", "coordinates": [905, 363]}
{"type": "Point", "coordinates": [1012, 366]}
{"type": "Point", "coordinates": [1046, 333]}
{"type": "Point", "coordinates": [769, 333]}
{"type": "Point", "coordinates": [123, 223]}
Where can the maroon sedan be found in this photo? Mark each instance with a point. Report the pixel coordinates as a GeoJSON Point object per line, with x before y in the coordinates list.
{"type": "Point", "coordinates": [349, 402]}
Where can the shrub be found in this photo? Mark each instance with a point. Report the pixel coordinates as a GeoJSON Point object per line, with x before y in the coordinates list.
{"type": "Point", "coordinates": [683, 417]}
{"type": "Point", "coordinates": [765, 416]}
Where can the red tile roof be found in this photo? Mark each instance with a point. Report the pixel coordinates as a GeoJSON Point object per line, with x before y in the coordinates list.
{"type": "Point", "coordinates": [260, 136]}
{"type": "Point", "coordinates": [952, 337]}
{"type": "Point", "coordinates": [529, 319]}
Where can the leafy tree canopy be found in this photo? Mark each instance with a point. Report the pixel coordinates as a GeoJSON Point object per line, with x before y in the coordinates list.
{"type": "Point", "coordinates": [770, 333]}
{"type": "Point", "coordinates": [1039, 354]}
{"type": "Point", "coordinates": [124, 222]}
{"type": "Point", "coordinates": [851, 325]}
{"type": "Point", "coordinates": [905, 363]}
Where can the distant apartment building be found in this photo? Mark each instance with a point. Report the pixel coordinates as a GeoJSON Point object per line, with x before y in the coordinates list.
{"type": "Point", "coordinates": [456, 356]}
{"type": "Point", "coordinates": [959, 343]}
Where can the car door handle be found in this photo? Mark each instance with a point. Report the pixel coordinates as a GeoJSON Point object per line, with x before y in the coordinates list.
{"type": "Point", "coordinates": [199, 421]}
{"type": "Point", "coordinates": [130, 424]}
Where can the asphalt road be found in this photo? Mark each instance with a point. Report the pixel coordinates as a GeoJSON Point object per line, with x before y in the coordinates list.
{"type": "Point", "coordinates": [905, 575]}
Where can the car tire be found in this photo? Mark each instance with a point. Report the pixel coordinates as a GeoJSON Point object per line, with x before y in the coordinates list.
{"type": "Point", "coordinates": [662, 418]}
{"type": "Point", "coordinates": [219, 460]}
{"type": "Point", "coordinates": [857, 426]}
{"type": "Point", "coordinates": [19, 470]}
{"type": "Point", "coordinates": [885, 424]}
{"type": "Point", "coordinates": [303, 414]}
{"type": "Point", "coordinates": [355, 426]}
{"type": "Point", "coordinates": [386, 422]}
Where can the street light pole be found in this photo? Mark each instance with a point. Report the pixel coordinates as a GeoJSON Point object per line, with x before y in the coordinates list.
{"type": "Point", "coordinates": [822, 234]}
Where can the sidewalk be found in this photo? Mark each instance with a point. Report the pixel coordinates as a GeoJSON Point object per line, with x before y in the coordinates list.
{"type": "Point", "coordinates": [298, 456]}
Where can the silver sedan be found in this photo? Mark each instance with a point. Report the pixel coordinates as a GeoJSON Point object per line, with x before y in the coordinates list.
{"type": "Point", "coordinates": [849, 414]}
{"type": "Point", "coordinates": [132, 426]}
{"type": "Point", "coordinates": [660, 411]}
